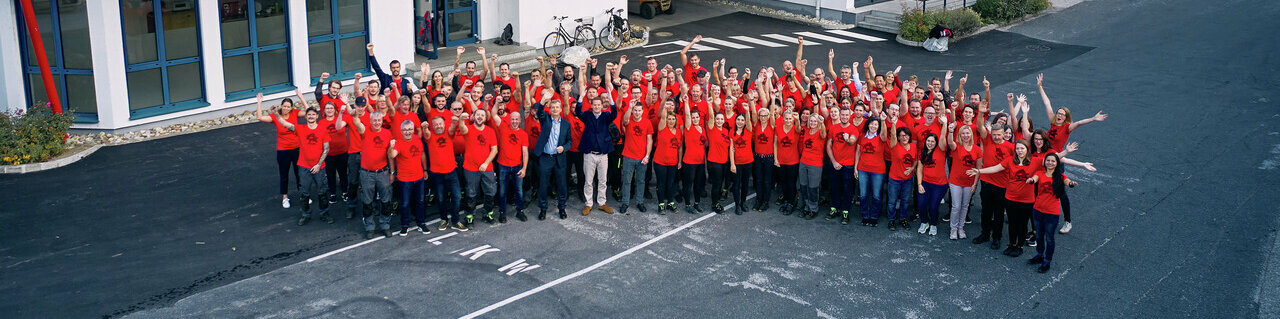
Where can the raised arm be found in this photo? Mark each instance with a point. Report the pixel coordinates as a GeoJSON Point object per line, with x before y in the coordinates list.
{"type": "Point", "coordinates": [799, 51]}
{"type": "Point", "coordinates": [986, 89]}
{"type": "Point", "coordinates": [684, 52]}
{"type": "Point", "coordinates": [458, 58]}
{"type": "Point", "coordinates": [383, 77]}
{"type": "Point", "coordinates": [320, 86]}
{"type": "Point", "coordinates": [959, 95]}
{"type": "Point", "coordinates": [1048, 107]}
{"type": "Point", "coordinates": [1096, 118]}
{"type": "Point", "coordinates": [258, 113]}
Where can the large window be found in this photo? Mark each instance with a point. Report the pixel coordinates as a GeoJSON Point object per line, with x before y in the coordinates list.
{"type": "Point", "coordinates": [64, 27]}
{"type": "Point", "coordinates": [162, 56]}
{"type": "Point", "coordinates": [337, 32]}
{"type": "Point", "coordinates": [255, 47]}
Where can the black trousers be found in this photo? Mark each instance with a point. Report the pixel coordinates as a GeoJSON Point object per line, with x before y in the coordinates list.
{"type": "Point", "coordinates": [764, 178]}
{"type": "Point", "coordinates": [716, 173]}
{"type": "Point", "coordinates": [666, 183]}
{"type": "Point", "coordinates": [695, 183]}
{"type": "Point", "coordinates": [1019, 215]}
{"type": "Point", "coordinates": [992, 210]}
{"type": "Point", "coordinates": [742, 184]}
{"type": "Point", "coordinates": [335, 167]}
{"type": "Point", "coordinates": [787, 182]}
{"type": "Point", "coordinates": [285, 160]}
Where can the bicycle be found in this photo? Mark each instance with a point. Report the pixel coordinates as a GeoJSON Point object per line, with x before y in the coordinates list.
{"type": "Point", "coordinates": [616, 31]}
{"type": "Point", "coordinates": [559, 40]}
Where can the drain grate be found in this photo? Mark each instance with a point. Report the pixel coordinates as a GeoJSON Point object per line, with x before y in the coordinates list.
{"type": "Point", "coordinates": [1038, 47]}
{"type": "Point", "coordinates": [662, 34]}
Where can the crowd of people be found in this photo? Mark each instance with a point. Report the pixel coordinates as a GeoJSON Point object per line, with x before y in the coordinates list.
{"type": "Point", "coordinates": [464, 142]}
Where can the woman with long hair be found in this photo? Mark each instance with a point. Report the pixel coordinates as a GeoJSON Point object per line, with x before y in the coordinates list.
{"type": "Point", "coordinates": [286, 143]}
{"type": "Point", "coordinates": [666, 159]}
{"type": "Point", "coordinates": [812, 147]}
{"type": "Point", "coordinates": [336, 163]}
{"type": "Point", "coordinates": [931, 179]}
{"type": "Point", "coordinates": [741, 162]}
{"type": "Point", "coordinates": [718, 157]}
{"type": "Point", "coordinates": [903, 164]}
{"type": "Point", "coordinates": [1050, 185]}
{"type": "Point", "coordinates": [964, 156]}
{"type": "Point", "coordinates": [871, 169]}
{"type": "Point", "coordinates": [786, 150]}
{"type": "Point", "coordinates": [694, 159]}
{"type": "Point", "coordinates": [1060, 128]}
{"type": "Point", "coordinates": [1019, 196]}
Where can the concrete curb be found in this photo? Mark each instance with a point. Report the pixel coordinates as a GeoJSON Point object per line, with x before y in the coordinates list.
{"type": "Point", "coordinates": [980, 30]}
{"type": "Point", "coordinates": [36, 167]}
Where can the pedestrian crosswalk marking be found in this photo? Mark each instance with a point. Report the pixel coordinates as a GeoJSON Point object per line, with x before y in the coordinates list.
{"type": "Point", "coordinates": [855, 35]}
{"type": "Point", "coordinates": [757, 41]}
{"type": "Point", "coordinates": [791, 40]}
{"type": "Point", "coordinates": [725, 43]}
{"type": "Point", "coordinates": [823, 37]}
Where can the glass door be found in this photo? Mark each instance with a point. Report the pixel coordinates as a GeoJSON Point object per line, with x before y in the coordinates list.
{"type": "Point", "coordinates": [460, 22]}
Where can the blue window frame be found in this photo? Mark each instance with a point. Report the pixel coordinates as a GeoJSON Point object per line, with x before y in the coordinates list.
{"type": "Point", "coordinates": [64, 27]}
{"type": "Point", "coordinates": [337, 31]}
{"type": "Point", "coordinates": [163, 66]}
{"type": "Point", "coordinates": [255, 43]}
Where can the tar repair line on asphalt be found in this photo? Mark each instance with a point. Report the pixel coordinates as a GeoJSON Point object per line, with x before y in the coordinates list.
{"type": "Point", "coordinates": [433, 221]}
{"type": "Point", "coordinates": [611, 259]}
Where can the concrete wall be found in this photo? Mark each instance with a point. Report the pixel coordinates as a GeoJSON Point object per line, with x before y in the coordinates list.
{"type": "Point", "coordinates": [536, 23]}
{"type": "Point", "coordinates": [835, 10]}
{"type": "Point", "coordinates": [14, 93]}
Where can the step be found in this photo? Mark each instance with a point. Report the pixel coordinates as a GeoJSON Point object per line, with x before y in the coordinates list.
{"type": "Point", "coordinates": [884, 14]}
{"type": "Point", "coordinates": [881, 20]}
{"type": "Point", "coordinates": [879, 26]}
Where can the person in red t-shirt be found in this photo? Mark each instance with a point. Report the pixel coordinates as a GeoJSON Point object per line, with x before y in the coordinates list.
{"type": "Point", "coordinates": [964, 156]}
{"type": "Point", "coordinates": [482, 148]}
{"type": "Point", "coordinates": [902, 168]}
{"type": "Point", "coordinates": [812, 147]}
{"type": "Point", "coordinates": [375, 177]}
{"type": "Point", "coordinates": [786, 151]}
{"type": "Point", "coordinates": [765, 154]}
{"type": "Point", "coordinates": [994, 150]}
{"type": "Point", "coordinates": [444, 170]}
{"type": "Point", "coordinates": [1018, 196]}
{"type": "Point", "coordinates": [694, 159]}
{"type": "Point", "coordinates": [931, 178]}
{"type": "Point", "coordinates": [313, 141]}
{"type": "Point", "coordinates": [741, 160]}
{"type": "Point", "coordinates": [637, 146]}
{"type": "Point", "coordinates": [666, 157]}
{"type": "Point", "coordinates": [1050, 187]}
{"type": "Point", "coordinates": [842, 149]}
{"type": "Point", "coordinates": [1060, 128]}
{"type": "Point", "coordinates": [336, 163]}
{"type": "Point", "coordinates": [513, 160]}
{"type": "Point", "coordinates": [718, 153]}
{"type": "Point", "coordinates": [286, 143]}
{"type": "Point", "coordinates": [410, 163]}
{"type": "Point", "coordinates": [872, 151]}
{"type": "Point", "coordinates": [690, 63]}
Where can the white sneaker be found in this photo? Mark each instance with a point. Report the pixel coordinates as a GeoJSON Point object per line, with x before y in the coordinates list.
{"type": "Point", "coordinates": [284, 202]}
{"type": "Point", "coordinates": [953, 234]}
{"type": "Point", "coordinates": [933, 230]}
{"type": "Point", "coordinates": [1066, 228]}
{"type": "Point", "coordinates": [923, 227]}
{"type": "Point", "coordinates": [961, 231]}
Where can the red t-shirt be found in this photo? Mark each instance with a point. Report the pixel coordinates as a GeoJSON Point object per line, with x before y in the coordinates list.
{"type": "Point", "coordinates": [509, 143]}
{"type": "Point", "coordinates": [719, 151]}
{"type": "Point", "coordinates": [353, 140]}
{"type": "Point", "coordinates": [1018, 190]}
{"type": "Point", "coordinates": [695, 146]}
{"type": "Point", "coordinates": [742, 153]}
{"type": "Point", "coordinates": [992, 154]}
{"type": "Point", "coordinates": [961, 161]}
{"type": "Point", "coordinates": [285, 139]}
{"type": "Point", "coordinates": [397, 118]}
{"type": "Point", "coordinates": [844, 153]}
{"type": "Point", "coordinates": [440, 148]}
{"type": "Point", "coordinates": [812, 148]}
{"type": "Point", "coordinates": [787, 143]}
{"type": "Point", "coordinates": [667, 147]}
{"type": "Point", "coordinates": [901, 158]}
{"type": "Point", "coordinates": [921, 130]}
{"type": "Point", "coordinates": [409, 159]}
{"type": "Point", "coordinates": [691, 73]}
{"type": "Point", "coordinates": [1046, 201]}
{"type": "Point", "coordinates": [337, 103]}
{"type": "Point", "coordinates": [874, 150]}
{"type": "Point", "coordinates": [764, 141]}
{"type": "Point", "coordinates": [935, 173]}
{"type": "Point", "coordinates": [1058, 135]}
{"type": "Point", "coordinates": [337, 137]}
{"type": "Point", "coordinates": [636, 141]}
{"type": "Point", "coordinates": [311, 144]}
{"type": "Point", "coordinates": [373, 156]}
{"type": "Point", "coordinates": [479, 144]}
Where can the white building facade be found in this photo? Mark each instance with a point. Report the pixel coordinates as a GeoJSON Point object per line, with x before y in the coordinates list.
{"type": "Point", "coordinates": [122, 64]}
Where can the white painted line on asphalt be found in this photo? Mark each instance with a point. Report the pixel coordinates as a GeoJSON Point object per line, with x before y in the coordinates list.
{"type": "Point", "coordinates": [788, 39]}
{"type": "Point", "coordinates": [436, 241]}
{"type": "Point", "coordinates": [362, 243]}
{"type": "Point", "coordinates": [856, 35]}
{"type": "Point", "coordinates": [512, 264]}
{"type": "Point", "coordinates": [560, 280]}
{"type": "Point", "coordinates": [823, 37]}
{"type": "Point", "coordinates": [757, 41]}
{"type": "Point", "coordinates": [725, 43]}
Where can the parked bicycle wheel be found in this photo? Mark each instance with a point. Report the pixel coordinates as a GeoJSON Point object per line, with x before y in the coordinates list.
{"type": "Point", "coordinates": [613, 36]}
{"type": "Point", "coordinates": [554, 44]}
{"type": "Point", "coordinates": [586, 37]}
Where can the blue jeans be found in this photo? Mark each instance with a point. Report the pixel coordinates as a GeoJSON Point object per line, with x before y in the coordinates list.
{"type": "Point", "coordinates": [1046, 225]}
{"type": "Point", "coordinates": [411, 201]}
{"type": "Point", "coordinates": [633, 177]}
{"type": "Point", "coordinates": [869, 187]}
{"type": "Point", "coordinates": [509, 183]}
{"type": "Point", "coordinates": [928, 202]}
{"type": "Point", "coordinates": [899, 196]}
{"type": "Point", "coordinates": [842, 188]}
{"type": "Point", "coordinates": [448, 194]}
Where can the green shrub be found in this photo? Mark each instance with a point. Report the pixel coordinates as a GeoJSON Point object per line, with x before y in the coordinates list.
{"type": "Point", "coordinates": [916, 24]}
{"type": "Point", "coordinates": [1003, 11]}
{"type": "Point", "coordinates": [32, 137]}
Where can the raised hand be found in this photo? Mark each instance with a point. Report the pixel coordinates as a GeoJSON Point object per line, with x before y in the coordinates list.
{"type": "Point", "coordinates": [480, 50]}
{"type": "Point", "coordinates": [800, 40]}
{"type": "Point", "coordinates": [1022, 98]}
{"type": "Point", "coordinates": [831, 54]}
{"type": "Point", "coordinates": [357, 77]}
{"type": "Point", "coordinates": [461, 49]}
{"type": "Point", "coordinates": [1040, 79]}
{"type": "Point", "coordinates": [1100, 116]}
{"type": "Point", "coordinates": [985, 84]}
{"type": "Point", "coordinates": [424, 67]}
{"type": "Point", "coordinates": [948, 76]}
{"type": "Point", "coordinates": [1009, 96]}
{"type": "Point", "coordinates": [369, 47]}
{"type": "Point", "coordinates": [964, 79]}
{"type": "Point", "coordinates": [623, 59]}
{"type": "Point", "coordinates": [697, 38]}
{"type": "Point", "coordinates": [715, 64]}
{"type": "Point", "coordinates": [1071, 147]}
{"type": "Point", "coordinates": [259, 97]}
{"type": "Point", "coordinates": [323, 76]}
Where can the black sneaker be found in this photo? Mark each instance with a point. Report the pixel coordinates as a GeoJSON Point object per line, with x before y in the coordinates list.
{"type": "Point", "coordinates": [844, 218]}
{"type": "Point", "coordinates": [471, 219]}
{"type": "Point", "coordinates": [520, 215]}
{"type": "Point", "coordinates": [303, 221]}
{"type": "Point", "coordinates": [662, 209]}
{"type": "Point", "coordinates": [386, 232]}
{"type": "Point", "coordinates": [832, 215]}
{"type": "Point", "coordinates": [563, 214]}
{"type": "Point", "coordinates": [689, 209]}
{"type": "Point", "coordinates": [946, 217]}
{"type": "Point", "coordinates": [1017, 251]}
{"type": "Point", "coordinates": [326, 219]}
{"type": "Point", "coordinates": [980, 239]}
{"type": "Point", "coordinates": [697, 207]}
{"type": "Point", "coordinates": [404, 231]}
{"type": "Point", "coordinates": [488, 217]}
{"type": "Point", "coordinates": [640, 207]}
{"type": "Point", "coordinates": [422, 228]}
{"type": "Point", "coordinates": [738, 210]}
{"type": "Point", "coordinates": [893, 225]}
{"type": "Point", "coordinates": [995, 244]}
{"type": "Point", "coordinates": [1043, 268]}
{"type": "Point", "coordinates": [622, 209]}
{"type": "Point", "coordinates": [1035, 260]}
{"type": "Point", "coordinates": [1031, 243]}
{"type": "Point", "coordinates": [502, 217]}
{"type": "Point", "coordinates": [542, 214]}
{"type": "Point", "coordinates": [967, 220]}
{"type": "Point", "coordinates": [333, 199]}
{"type": "Point", "coordinates": [812, 215]}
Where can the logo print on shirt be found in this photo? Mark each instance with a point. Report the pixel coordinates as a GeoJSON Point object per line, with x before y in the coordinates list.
{"type": "Point", "coordinates": [635, 130]}
{"type": "Point", "coordinates": [440, 142]}
{"type": "Point", "coordinates": [413, 150]}
{"type": "Point", "coordinates": [808, 144]}
{"type": "Point", "coordinates": [332, 128]}
{"type": "Point", "coordinates": [312, 139]}
{"type": "Point", "coordinates": [377, 140]}
{"type": "Point", "coordinates": [908, 159]}
{"type": "Point", "coordinates": [675, 143]}
{"type": "Point", "coordinates": [869, 148]}
{"type": "Point", "coordinates": [969, 161]}
{"type": "Point", "coordinates": [785, 141]}
{"type": "Point", "coordinates": [762, 139]}
{"type": "Point", "coordinates": [1020, 175]}
{"type": "Point", "coordinates": [512, 138]}
{"type": "Point", "coordinates": [482, 140]}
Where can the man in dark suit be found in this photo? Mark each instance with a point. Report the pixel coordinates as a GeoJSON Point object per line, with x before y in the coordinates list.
{"type": "Point", "coordinates": [550, 149]}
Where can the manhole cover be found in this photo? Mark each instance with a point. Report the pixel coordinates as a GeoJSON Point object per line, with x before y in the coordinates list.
{"type": "Point", "coordinates": [662, 34]}
{"type": "Point", "coordinates": [1038, 47]}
